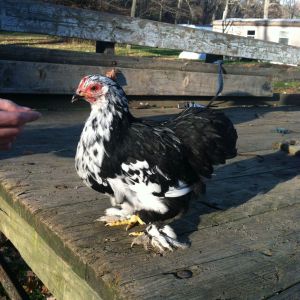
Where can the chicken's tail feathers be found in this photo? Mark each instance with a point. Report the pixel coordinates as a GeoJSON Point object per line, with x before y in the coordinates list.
{"type": "Point", "coordinates": [209, 137]}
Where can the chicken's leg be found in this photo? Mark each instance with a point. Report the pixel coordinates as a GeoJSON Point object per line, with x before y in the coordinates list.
{"type": "Point", "coordinates": [130, 222]}
{"type": "Point", "coordinates": [158, 239]}
{"type": "Point", "coordinates": [119, 219]}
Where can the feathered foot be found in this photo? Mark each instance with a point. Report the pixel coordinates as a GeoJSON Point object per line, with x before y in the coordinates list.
{"type": "Point", "coordinates": [136, 233]}
{"type": "Point", "coordinates": [130, 221]}
{"type": "Point", "coordinates": [158, 239]}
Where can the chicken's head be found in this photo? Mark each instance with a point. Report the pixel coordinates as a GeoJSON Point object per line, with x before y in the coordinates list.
{"type": "Point", "coordinates": [92, 88]}
{"type": "Point", "coordinates": [100, 91]}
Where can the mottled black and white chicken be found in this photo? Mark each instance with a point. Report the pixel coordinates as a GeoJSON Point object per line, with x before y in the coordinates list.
{"type": "Point", "coordinates": [149, 170]}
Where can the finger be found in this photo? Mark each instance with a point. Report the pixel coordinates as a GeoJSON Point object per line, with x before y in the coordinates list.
{"type": "Point", "coordinates": [9, 105]}
{"type": "Point", "coordinates": [16, 119]}
{"type": "Point", "coordinates": [9, 133]}
{"type": "Point", "coordinates": [6, 146]}
{"type": "Point", "coordinates": [30, 116]}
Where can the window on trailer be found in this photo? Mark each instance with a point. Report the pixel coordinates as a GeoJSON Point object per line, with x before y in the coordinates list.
{"type": "Point", "coordinates": [251, 34]}
{"type": "Point", "coordinates": [283, 37]}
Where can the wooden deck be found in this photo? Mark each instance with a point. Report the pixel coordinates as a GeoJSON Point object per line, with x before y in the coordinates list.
{"type": "Point", "coordinates": [245, 233]}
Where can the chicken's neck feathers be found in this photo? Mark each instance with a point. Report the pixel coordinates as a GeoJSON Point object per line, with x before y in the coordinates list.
{"type": "Point", "coordinates": [106, 125]}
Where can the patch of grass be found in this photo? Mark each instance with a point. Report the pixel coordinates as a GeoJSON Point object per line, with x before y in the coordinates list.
{"type": "Point", "coordinates": [45, 41]}
{"type": "Point", "coordinates": [146, 51]}
{"type": "Point", "coordinates": [53, 42]}
{"type": "Point", "coordinates": [287, 87]}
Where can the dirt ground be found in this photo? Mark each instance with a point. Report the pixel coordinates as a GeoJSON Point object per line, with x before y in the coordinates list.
{"type": "Point", "coordinates": [34, 288]}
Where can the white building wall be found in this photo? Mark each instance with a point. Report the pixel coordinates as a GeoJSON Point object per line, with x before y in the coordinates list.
{"type": "Point", "coordinates": [268, 33]}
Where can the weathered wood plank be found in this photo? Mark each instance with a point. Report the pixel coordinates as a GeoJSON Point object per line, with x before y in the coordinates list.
{"type": "Point", "coordinates": [34, 77]}
{"type": "Point", "coordinates": [254, 273]}
{"type": "Point", "coordinates": [31, 16]}
{"type": "Point", "coordinates": [118, 248]}
{"type": "Point", "coordinates": [292, 293]}
{"type": "Point", "coordinates": [63, 282]}
{"type": "Point", "coordinates": [232, 240]}
{"type": "Point", "coordinates": [20, 53]}
{"type": "Point", "coordinates": [249, 249]}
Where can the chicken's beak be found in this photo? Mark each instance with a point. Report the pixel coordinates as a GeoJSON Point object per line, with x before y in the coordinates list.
{"type": "Point", "coordinates": [76, 97]}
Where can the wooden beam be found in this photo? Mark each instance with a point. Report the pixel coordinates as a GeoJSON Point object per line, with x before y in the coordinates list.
{"type": "Point", "coordinates": [55, 273]}
{"type": "Point", "coordinates": [35, 77]}
{"type": "Point", "coordinates": [35, 17]}
{"type": "Point", "coordinates": [21, 53]}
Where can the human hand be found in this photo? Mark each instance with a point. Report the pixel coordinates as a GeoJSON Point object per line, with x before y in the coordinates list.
{"type": "Point", "coordinates": [12, 119]}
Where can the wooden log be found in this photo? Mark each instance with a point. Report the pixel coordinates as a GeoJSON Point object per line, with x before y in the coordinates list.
{"type": "Point", "coordinates": [34, 77]}
{"type": "Point", "coordinates": [31, 16]}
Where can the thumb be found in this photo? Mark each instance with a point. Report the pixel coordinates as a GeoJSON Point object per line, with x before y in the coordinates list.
{"type": "Point", "coordinates": [8, 105]}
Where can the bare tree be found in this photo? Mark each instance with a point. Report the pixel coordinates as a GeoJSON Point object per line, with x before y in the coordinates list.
{"type": "Point", "coordinates": [291, 8]}
{"type": "Point", "coordinates": [133, 9]}
{"type": "Point", "coordinates": [266, 8]}
{"type": "Point", "coordinates": [178, 11]}
{"type": "Point", "coordinates": [275, 9]}
{"type": "Point", "coordinates": [161, 10]}
{"type": "Point", "coordinates": [192, 11]}
{"type": "Point", "coordinates": [251, 9]}
{"type": "Point", "coordinates": [225, 12]}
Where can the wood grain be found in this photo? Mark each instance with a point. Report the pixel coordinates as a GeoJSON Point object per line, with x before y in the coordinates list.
{"type": "Point", "coordinates": [35, 17]}
{"type": "Point", "coordinates": [59, 277]}
{"type": "Point", "coordinates": [35, 77]}
{"type": "Point", "coordinates": [244, 233]}
{"type": "Point", "coordinates": [292, 293]}
{"type": "Point", "coordinates": [21, 53]}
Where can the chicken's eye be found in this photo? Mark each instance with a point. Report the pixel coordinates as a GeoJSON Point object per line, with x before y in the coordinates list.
{"type": "Point", "coordinates": [94, 88]}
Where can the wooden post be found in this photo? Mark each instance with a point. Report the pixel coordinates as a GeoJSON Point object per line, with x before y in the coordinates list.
{"type": "Point", "coordinates": [105, 47]}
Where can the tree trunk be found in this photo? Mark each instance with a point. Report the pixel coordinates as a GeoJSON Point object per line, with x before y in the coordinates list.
{"type": "Point", "coordinates": [133, 8]}
{"type": "Point", "coordinates": [292, 9]}
{"type": "Point", "coordinates": [266, 9]}
{"type": "Point", "coordinates": [132, 14]}
{"type": "Point", "coordinates": [225, 12]}
{"type": "Point", "coordinates": [191, 11]}
{"type": "Point", "coordinates": [179, 4]}
{"type": "Point", "coordinates": [161, 10]}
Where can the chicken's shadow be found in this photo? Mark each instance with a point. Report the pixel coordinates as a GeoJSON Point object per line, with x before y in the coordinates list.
{"type": "Point", "coordinates": [234, 184]}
